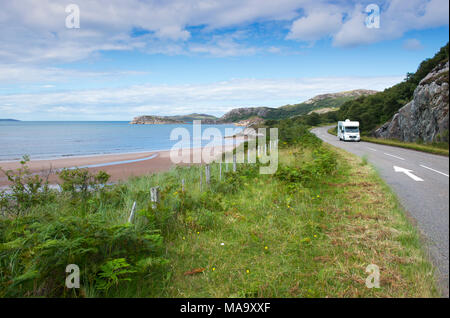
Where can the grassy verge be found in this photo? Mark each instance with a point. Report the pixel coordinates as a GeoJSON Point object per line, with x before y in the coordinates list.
{"type": "Point", "coordinates": [438, 150]}
{"type": "Point", "coordinates": [304, 241]}
{"type": "Point", "coordinates": [310, 230]}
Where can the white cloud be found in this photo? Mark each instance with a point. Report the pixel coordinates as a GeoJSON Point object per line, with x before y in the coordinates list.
{"type": "Point", "coordinates": [319, 23]}
{"type": "Point", "coordinates": [214, 98]}
{"type": "Point", "coordinates": [26, 74]}
{"type": "Point", "coordinates": [33, 31]}
{"type": "Point", "coordinates": [396, 18]}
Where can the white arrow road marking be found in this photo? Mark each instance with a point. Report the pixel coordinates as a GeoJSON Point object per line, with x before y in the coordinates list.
{"type": "Point", "coordinates": [434, 170]}
{"type": "Point", "coordinates": [408, 173]}
{"type": "Point", "coordinates": [394, 156]}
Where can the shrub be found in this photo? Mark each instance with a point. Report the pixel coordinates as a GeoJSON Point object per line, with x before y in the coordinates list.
{"type": "Point", "coordinates": [36, 250]}
{"type": "Point", "coordinates": [78, 182]}
{"type": "Point", "coordinates": [27, 189]}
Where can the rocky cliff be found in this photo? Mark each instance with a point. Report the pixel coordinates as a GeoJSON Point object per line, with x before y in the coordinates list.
{"type": "Point", "coordinates": [426, 116]}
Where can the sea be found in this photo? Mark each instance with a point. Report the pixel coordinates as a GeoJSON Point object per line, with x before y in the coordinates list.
{"type": "Point", "coordinates": [62, 139]}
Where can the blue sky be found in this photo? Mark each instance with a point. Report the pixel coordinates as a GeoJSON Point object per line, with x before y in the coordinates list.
{"type": "Point", "coordinates": [134, 57]}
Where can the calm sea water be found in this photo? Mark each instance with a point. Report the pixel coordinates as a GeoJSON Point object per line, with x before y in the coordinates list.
{"type": "Point", "coordinates": [44, 140]}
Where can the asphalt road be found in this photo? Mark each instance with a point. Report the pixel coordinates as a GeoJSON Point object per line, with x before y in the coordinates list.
{"type": "Point", "coordinates": [421, 182]}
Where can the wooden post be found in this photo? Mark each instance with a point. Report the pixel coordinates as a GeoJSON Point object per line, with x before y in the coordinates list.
{"type": "Point", "coordinates": [201, 178]}
{"type": "Point", "coordinates": [234, 163]}
{"type": "Point", "coordinates": [133, 209]}
{"type": "Point", "coordinates": [207, 174]}
{"type": "Point", "coordinates": [154, 196]}
{"type": "Point", "coordinates": [220, 171]}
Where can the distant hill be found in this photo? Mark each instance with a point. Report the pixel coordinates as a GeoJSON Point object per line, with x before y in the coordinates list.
{"type": "Point", "coordinates": [178, 119]}
{"type": "Point", "coordinates": [333, 100]}
{"type": "Point", "coordinates": [8, 119]}
{"type": "Point", "coordinates": [248, 115]}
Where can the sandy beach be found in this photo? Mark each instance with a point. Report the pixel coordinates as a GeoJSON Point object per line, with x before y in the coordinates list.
{"type": "Point", "coordinates": [156, 161]}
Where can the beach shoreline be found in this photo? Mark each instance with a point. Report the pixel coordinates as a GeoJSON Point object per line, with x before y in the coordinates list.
{"type": "Point", "coordinates": [119, 166]}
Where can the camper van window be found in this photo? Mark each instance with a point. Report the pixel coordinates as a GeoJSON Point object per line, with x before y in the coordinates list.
{"type": "Point", "coordinates": [352, 129]}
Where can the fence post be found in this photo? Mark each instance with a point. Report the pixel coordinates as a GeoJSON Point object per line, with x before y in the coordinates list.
{"type": "Point", "coordinates": [133, 209]}
{"type": "Point", "coordinates": [154, 196]}
{"type": "Point", "coordinates": [182, 185]}
{"type": "Point", "coordinates": [234, 163]}
{"type": "Point", "coordinates": [201, 178]}
{"type": "Point", "coordinates": [265, 149]}
{"type": "Point", "coordinates": [207, 174]}
{"type": "Point", "coordinates": [220, 171]}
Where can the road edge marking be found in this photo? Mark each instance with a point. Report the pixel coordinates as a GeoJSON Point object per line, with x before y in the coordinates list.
{"type": "Point", "coordinates": [387, 154]}
{"type": "Point", "coordinates": [423, 166]}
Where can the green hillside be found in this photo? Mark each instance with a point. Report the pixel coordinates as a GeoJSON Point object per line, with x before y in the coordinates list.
{"type": "Point", "coordinates": [375, 110]}
{"type": "Point", "coordinates": [192, 117]}
{"type": "Point", "coordinates": [333, 100]}
{"type": "Point", "coordinates": [304, 108]}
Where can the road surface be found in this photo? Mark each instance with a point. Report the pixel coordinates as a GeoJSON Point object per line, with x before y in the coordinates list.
{"type": "Point", "coordinates": [421, 182]}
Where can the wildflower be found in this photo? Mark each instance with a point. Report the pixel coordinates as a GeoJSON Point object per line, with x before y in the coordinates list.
{"type": "Point", "coordinates": [175, 193]}
{"type": "Point", "coordinates": [315, 235]}
{"type": "Point", "coordinates": [248, 271]}
{"type": "Point", "coordinates": [198, 232]}
{"type": "Point", "coordinates": [222, 244]}
{"type": "Point", "coordinates": [266, 248]}
{"type": "Point", "coordinates": [213, 269]}
{"type": "Point", "coordinates": [184, 238]}
{"type": "Point", "coordinates": [318, 196]}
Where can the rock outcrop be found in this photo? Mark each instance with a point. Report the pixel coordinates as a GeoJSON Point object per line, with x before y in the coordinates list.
{"type": "Point", "coordinates": [238, 114]}
{"type": "Point", "coordinates": [154, 120]}
{"type": "Point", "coordinates": [425, 118]}
{"type": "Point", "coordinates": [251, 122]}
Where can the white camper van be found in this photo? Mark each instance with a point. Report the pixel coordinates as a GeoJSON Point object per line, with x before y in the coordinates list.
{"type": "Point", "coordinates": [348, 130]}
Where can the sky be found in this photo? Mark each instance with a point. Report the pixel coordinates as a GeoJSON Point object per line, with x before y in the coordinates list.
{"type": "Point", "coordinates": [129, 58]}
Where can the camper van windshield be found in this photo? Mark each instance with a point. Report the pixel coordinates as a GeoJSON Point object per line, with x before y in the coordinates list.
{"type": "Point", "coordinates": [352, 129]}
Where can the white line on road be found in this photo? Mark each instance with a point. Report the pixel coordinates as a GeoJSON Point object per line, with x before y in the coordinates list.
{"type": "Point", "coordinates": [434, 170]}
{"type": "Point", "coordinates": [408, 173]}
{"type": "Point", "coordinates": [394, 156]}
{"type": "Point", "coordinates": [371, 149]}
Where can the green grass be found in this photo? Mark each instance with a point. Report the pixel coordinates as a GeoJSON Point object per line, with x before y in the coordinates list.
{"type": "Point", "coordinates": [441, 149]}
{"type": "Point", "coordinates": [438, 150]}
{"type": "Point", "coordinates": [308, 231]}
{"type": "Point", "coordinates": [304, 242]}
